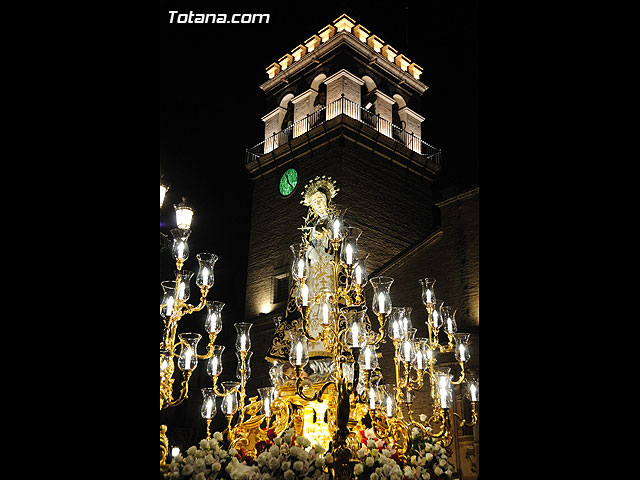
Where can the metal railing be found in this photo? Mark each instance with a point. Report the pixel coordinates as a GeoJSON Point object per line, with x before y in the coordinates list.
{"type": "Point", "coordinates": [343, 106]}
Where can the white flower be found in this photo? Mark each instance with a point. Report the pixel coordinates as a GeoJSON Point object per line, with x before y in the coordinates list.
{"type": "Point", "coordinates": [395, 477]}
{"type": "Point", "coordinates": [208, 459]}
{"type": "Point", "coordinates": [371, 444]}
{"type": "Point", "coordinates": [358, 469]}
{"type": "Point", "coordinates": [429, 457]}
{"type": "Point", "coordinates": [449, 473]}
{"type": "Point", "coordinates": [273, 463]}
{"type": "Point", "coordinates": [407, 471]}
{"type": "Point", "coordinates": [436, 448]}
{"type": "Point", "coordinates": [289, 475]}
{"type": "Point", "coordinates": [274, 451]}
{"type": "Point", "coordinates": [369, 461]}
{"type": "Point", "coordinates": [303, 455]}
{"type": "Point", "coordinates": [298, 465]}
{"type": "Point", "coordinates": [373, 476]}
{"type": "Point", "coordinates": [217, 436]}
{"type": "Point", "coordinates": [361, 453]}
{"type": "Point", "coordinates": [192, 450]}
{"type": "Point", "coordinates": [286, 465]}
{"type": "Point", "coordinates": [318, 448]}
{"type": "Point", "coordinates": [306, 442]}
{"type": "Point", "coordinates": [233, 452]}
{"type": "Point", "coordinates": [319, 462]}
{"type": "Point", "coordinates": [442, 462]}
{"type": "Point", "coordinates": [200, 476]}
{"type": "Point", "coordinates": [426, 476]}
{"type": "Point", "coordinates": [437, 471]}
{"type": "Point", "coordinates": [216, 467]}
{"type": "Point", "coordinates": [328, 458]}
{"type": "Point", "coordinates": [423, 418]}
{"type": "Point", "coordinates": [277, 441]}
{"type": "Point", "coordinates": [187, 470]}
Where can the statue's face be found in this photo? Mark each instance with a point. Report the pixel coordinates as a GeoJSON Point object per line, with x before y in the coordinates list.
{"type": "Point", "coordinates": [319, 203]}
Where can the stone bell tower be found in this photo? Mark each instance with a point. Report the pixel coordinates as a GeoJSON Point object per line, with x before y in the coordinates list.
{"type": "Point", "coordinates": [344, 104]}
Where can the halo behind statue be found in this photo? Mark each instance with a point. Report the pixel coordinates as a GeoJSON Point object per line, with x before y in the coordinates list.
{"type": "Point", "coordinates": [322, 184]}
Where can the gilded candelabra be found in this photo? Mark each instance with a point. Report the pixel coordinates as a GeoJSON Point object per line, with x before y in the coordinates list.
{"type": "Point", "coordinates": [353, 395]}
{"type": "Point", "coordinates": [174, 307]}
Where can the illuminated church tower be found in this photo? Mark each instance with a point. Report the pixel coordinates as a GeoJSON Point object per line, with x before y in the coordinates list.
{"type": "Point", "coordinates": [344, 104]}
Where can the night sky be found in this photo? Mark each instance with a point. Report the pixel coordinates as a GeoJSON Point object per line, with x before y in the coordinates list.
{"type": "Point", "coordinates": [211, 105]}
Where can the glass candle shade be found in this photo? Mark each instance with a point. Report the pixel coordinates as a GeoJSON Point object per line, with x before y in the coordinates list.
{"type": "Point", "coordinates": [406, 321]}
{"type": "Point", "coordinates": [168, 298]}
{"type": "Point", "coordinates": [213, 322]}
{"type": "Point", "coordinates": [214, 364]}
{"type": "Point", "coordinates": [247, 365]}
{"type": "Point", "coordinates": [179, 244]}
{"type": "Point", "coordinates": [349, 251]}
{"type": "Point", "coordinates": [325, 312]}
{"type": "Point", "coordinates": [389, 400]}
{"type": "Point", "coordinates": [428, 293]}
{"type": "Point", "coordinates": [302, 295]}
{"type": "Point", "coordinates": [448, 319]}
{"type": "Point", "coordinates": [266, 395]}
{"type": "Point", "coordinates": [472, 391]}
{"type": "Point", "coordinates": [206, 263]}
{"type": "Point", "coordinates": [355, 335]}
{"type": "Point", "coordinates": [165, 358]}
{"type": "Point", "coordinates": [183, 292]}
{"type": "Point", "coordinates": [462, 350]}
{"type": "Point", "coordinates": [188, 359]}
{"type": "Point", "coordinates": [435, 318]}
{"type": "Point", "coordinates": [184, 214]}
{"type": "Point", "coordinates": [381, 297]}
{"type": "Point", "coordinates": [299, 350]}
{"type": "Point", "coordinates": [368, 358]}
{"type": "Point", "coordinates": [395, 324]}
{"type": "Point", "coordinates": [359, 275]}
{"type": "Point", "coordinates": [299, 263]}
{"type": "Point", "coordinates": [420, 360]}
{"type": "Point", "coordinates": [243, 340]}
{"type": "Point", "coordinates": [163, 192]}
{"type": "Point", "coordinates": [443, 387]}
{"type": "Point", "coordinates": [229, 403]}
{"type": "Point", "coordinates": [406, 351]}
{"type": "Point", "coordinates": [208, 409]}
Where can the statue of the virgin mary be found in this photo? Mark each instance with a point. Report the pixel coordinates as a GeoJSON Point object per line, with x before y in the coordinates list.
{"type": "Point", "coordinates": [316, 233]}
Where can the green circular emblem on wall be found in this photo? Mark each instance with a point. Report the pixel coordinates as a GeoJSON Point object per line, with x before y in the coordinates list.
{"type": "Point", "coordinates": [288, 182]}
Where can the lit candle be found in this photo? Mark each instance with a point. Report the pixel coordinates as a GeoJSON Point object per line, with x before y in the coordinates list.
{"type": "Point", "coordinates": [299, 353]}
{"type": "Point", "coordinates": [243, 342]}
{"type": "Point", "coordinates": [407, 351]}
{"type": "Point", "coordinates": [349, 254]}
{"type": "Point", "coordinates": [209, 407]}
{"type": "Point", "coordinates": [205, 276]}
{"type": "Point", "coordinates": [163, 365]}
{"type": "Point", "coordinates": [181, 290]}
{"type": "Point", "coordinates": [381, 302]}
{"type": "Point", "coordinates": [449, 325]}
{"type": "Point", "coordinates": [187, 358]}
{"type": "Point", "coordinates": [367, 359]}
{"type": "Point", "coordinates": [169, 307]}
{"type": "Point", "coordinates": [301, 268]}
{"type": "Point", "coordinates": [266, 405]}
{"type": "Point", "coordinates": [214, 363]}
{"type": "Point", "coordinates": [429, 295]}
{"type": "Point", "coordinates": [325, 313]}
{"type": "Point", "coordinates": [372, 398]}
{"type": "Point", "coordinates": [336, 228]}
{"type": "Point", "coordinates": [180, 250]}
{"type": "Point", "coordinates": [462, 357]}
{"type": "Point", "coordinates": [305, 295]}
{"type": "Point", "coordinates": [359, 275]}
{"type": "Point", "coordinates": [474, 394]}
{"type": "Point", "coordinates": [354, 335]}
{"type": "Point", "coordinates": [389, 406]}
{"type": "Point", "coordinates": [396, 329]}
{"type": "Point", "coordinates": [419, 360]}
{"type": "Point", "coordinates": [435, 319]}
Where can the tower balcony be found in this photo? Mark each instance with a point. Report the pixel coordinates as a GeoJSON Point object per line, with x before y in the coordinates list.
{"type": "Point", "coordinates": [368, 129]}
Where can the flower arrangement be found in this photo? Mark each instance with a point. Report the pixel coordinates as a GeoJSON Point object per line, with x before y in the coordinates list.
{"type": "Point", "coordinates": [287, 457]}
{"type": "Point", "coordinates": [293, 458]}
{"type": "Point", "coordinates": [377, 460]}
